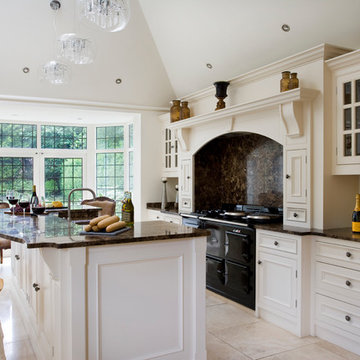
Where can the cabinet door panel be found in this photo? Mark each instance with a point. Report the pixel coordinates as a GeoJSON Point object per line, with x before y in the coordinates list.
{"type": "Point", "coordinates": [296, 176]}
{"type": "Point", "coordinates": [277, 283]}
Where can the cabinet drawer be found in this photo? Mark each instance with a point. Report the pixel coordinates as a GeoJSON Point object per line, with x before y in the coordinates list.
{"type": "Point", "coordinates": [339, 282]}
{"type": "Point", "coordinates": [338, 314]}
{"type": "Point", "coordinates": [172, 219]}
{"type": "Point", "coordinates": [296, 214]}
{"type": "Point", "coordinates": [276, 242]}
{"type": "Point", "coordinates": [346, 256]}
{"type": "Point", "coordinates": [186, 203]}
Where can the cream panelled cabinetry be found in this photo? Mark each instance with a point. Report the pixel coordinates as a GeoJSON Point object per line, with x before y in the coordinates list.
{"type": "Point", "coordinates": [37, 288]}
{"type": "Point", "coordinates": [158, 215]}
{"type": "Point", "coordinates": [345, 74]}
{"type": "Point", "coordinates": [170, 149]}
{"type": "Point", "coordinates": [296, 171]}
{"type": "Point", "coordinates": [282, 287]}
{"type": "Point", "coordinates": [186, 185]}
{"type": "Point", "coordinates": [337, 292]}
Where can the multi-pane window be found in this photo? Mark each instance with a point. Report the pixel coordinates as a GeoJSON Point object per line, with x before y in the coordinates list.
{"type": "Point", "coordinates": [114, 160]}
{"type": "Point", "coordinates": [16, 173]}
{"type": "Point", "coordinates": [110, 175]}
{"type": "Point", "coordinates": [63, 137]}
{"type": "Point", "coordinates": [131, 157]}
{"type": "Point", "coordinates": [17, 135]}
{"type": "Point", "coordinates": [62, 175]}
{"type": "Point", "coordinates": [110, 137]}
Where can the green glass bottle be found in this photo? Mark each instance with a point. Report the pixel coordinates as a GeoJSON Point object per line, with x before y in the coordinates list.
{"type": "Point", "coordinates": [127, 209]}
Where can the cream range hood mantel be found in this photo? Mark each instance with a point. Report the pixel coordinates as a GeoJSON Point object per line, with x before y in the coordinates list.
{"type": "Point", "coordinates": [287, 107]}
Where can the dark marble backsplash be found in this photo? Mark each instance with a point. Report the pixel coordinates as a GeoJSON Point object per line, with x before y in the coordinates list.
{"type": "Point", "coordinates": [239, 168]}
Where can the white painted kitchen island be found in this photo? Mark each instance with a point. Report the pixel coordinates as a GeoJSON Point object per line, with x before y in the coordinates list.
{"type": "Point", "coordinates": [139, 295]}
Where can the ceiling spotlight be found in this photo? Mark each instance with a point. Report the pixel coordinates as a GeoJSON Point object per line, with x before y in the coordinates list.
{"type": "Point", "coordinates": [26, 70]}
{"type": "Point", "coordinates": [285, 27]}
{"type": "Point", "coordinates": [209, 66]}
{"type": "Point", "coordinates": [55, 5]}
{"type": "Point", "coordinates": [118, 81]}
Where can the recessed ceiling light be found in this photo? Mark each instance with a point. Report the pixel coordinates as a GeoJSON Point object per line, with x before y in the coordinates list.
{"type": "Point", "coordinates": [209, 66]}
{"type": "Point", "coordinates": [285, 27]}
{"type": "Point", "coordinates": [118, 81]}
{"type": "Point", "coordinates": [26, 70]}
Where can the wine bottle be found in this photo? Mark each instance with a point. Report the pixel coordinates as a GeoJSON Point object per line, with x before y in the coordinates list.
{"type": "Point", "coordinates": [127, 209]}
{"type": "Point", "coordinates": [356, 216]}
{"type": "Point", "coordinates": [34, 198]}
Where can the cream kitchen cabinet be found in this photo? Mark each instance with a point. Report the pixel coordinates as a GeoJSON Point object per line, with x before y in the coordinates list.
{"type": "Point", "coordinates": [157, 215]}
{"type": "Point", "coordinates": [345, 74]}
{"type": "Point", "coordinates": [186, 184]}
{"type": "Point", "coordinates": [282, 289]}
{"type": "Point", "coordinates": [337, 292]}
{"type": "Point", "coordinates": [37, 288]}
{"type": "Point", "coordinates": [170, 149]}
{"type": "Point", "coordinates": [296, 201]}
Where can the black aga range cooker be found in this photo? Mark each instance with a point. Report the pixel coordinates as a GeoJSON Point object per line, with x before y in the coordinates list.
{"type": "Point", "coordinates": [230, 255]}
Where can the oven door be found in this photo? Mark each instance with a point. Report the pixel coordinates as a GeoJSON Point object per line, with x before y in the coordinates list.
{"type": "Point", "coordinates": [240, 283]}
{"type": "Point", "coordinates": [239, 246]}
{"type": "Point", "coordinates": [216, 239]}
{"type": "Point", "coordinates": [215, 274]}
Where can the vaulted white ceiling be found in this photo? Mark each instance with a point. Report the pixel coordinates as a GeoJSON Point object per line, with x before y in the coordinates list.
{"type": "Point", "coordinates": [163, 52]}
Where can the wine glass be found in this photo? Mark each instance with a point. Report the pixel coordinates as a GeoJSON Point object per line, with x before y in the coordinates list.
{"type": "Point", "coordinates": [24, 201]}
{"type": "Point", "coordinates": [13, 198]}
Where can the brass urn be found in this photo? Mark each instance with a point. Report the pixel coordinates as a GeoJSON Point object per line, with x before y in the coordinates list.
{"type": "Point", "coordinates": [221, 87]}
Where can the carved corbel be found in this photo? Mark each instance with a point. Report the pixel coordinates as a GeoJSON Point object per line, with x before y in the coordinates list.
{"type": "Point", "coordinates": [291, 115]}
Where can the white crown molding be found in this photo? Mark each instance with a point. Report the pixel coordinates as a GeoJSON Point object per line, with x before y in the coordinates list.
{"type": "Point", "coordinates": [343, 61]}
{"type": "Point", "coordinates": [79, 103]}
{"type": "Point", "coordinates": [323, 51]}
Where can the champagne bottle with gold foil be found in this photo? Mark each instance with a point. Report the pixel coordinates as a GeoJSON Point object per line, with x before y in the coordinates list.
{"type": "Point", "coordinates": [284, 82]}
{"type": "Point", "coordinates": [127, 209]}
{"type": "Point", "coordinates": [356, 216]}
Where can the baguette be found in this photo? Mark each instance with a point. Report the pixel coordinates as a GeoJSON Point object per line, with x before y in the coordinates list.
{"type": "Point", "coordinates": [96, 220]}
{"type": "Point", "coordinates": [88, 227]}
{"type": "Point", "coordinates": [115, 226]}
{"type": "Point", "coordinates": [108, 221]}
{"type": "Point", "coordinates": [95, 228]}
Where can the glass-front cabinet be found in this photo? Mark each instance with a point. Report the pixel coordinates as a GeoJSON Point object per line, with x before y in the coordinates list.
{"type": "Point", "coordinates": [348, 119]}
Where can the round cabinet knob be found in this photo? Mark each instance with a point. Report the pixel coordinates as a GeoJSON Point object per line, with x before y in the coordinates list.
{"type": "Point", "coordinates": [348, 283]}
{"type": "Point", "coordinates": [259, 262]}
{"type": "Point", "coordinates": [185, 203]}
{"type": "Point", "coordinates": [348, 254]}
{"type": "Point", "coordinates": [188, 177]}
{"type": "Point", "coordinates": [287, 176]}
{"type": "Point", "coordinates": [37, 288]}
{"type": "Point", "coordinates": [35, 285]}
{"type": "Point", "coordinates": [347, 318]}
{"type": "Point", "coordinates": [276, 243]}
{"type": "Point", "coordinates": [17, 257]}
{"type": "Point", "coordinates": [295, 215]}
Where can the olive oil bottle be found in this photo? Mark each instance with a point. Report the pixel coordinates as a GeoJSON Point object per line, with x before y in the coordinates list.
{"type": "Point", "coordinates": [127, 209]}
{"type": "Point", "coordinates": [356, 216]}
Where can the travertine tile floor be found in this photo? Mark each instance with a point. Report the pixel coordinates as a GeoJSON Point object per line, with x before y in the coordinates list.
{"type": "Point", "coordinates": [233, 333]}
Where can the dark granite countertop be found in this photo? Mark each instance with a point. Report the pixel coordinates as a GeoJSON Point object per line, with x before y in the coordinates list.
{"type": "Point", "coordinates": [342, 233]}
{"type": "Point", "coordinates": [52, 231]}
{"type": "Point", "coordinates": [157, 206]}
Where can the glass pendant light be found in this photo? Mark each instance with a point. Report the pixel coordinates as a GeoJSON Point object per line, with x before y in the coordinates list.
{"type": "Point", "coordinates": [55, 72]}
{"type": "Point", "coordinates": [109, 15]}
{"type": "Point", "coordinates": [75, 49]}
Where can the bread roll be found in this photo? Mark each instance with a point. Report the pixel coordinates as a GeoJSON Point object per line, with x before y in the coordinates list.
{"type": "Point", "coordinates": [88, 227]}
{"type": "Point", "coordinates": [95, 228]}
{"type": "Point", "coordinates": [96, 220]}
{"type": "Point", "coordinates": [115, 226]}
{"type": "Point", "coordinates": [108, 221]}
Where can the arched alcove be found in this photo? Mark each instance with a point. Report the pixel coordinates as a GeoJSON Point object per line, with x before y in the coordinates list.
{"type": "Point", "coordinates": [239, 168]}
